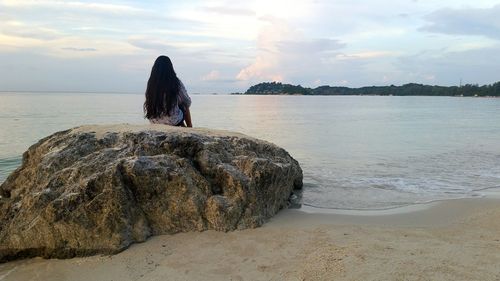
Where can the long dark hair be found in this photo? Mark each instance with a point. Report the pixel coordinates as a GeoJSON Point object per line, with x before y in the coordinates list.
{"type": "Point", "coordinates": [162, 90]}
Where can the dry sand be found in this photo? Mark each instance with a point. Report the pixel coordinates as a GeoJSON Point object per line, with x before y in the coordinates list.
{"type": "Point", "coordinates": [450, 240]}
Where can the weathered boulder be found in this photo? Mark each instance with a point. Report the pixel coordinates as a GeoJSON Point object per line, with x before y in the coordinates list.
{"type": "Point", "coordinates": [97, 189]}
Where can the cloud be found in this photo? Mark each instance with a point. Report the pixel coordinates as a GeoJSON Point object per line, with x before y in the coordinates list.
{"type": "Point", "coordinates": [364, 55]}
{"type": "Point", "coordinates": [309, 46]}
{"type": "Point", "coordinates": [447, 68]}
{"type": "Point", "coordinates": [160, 45]}
{"type": "Point", "coordinates": [79, 73]}
{"type": "Point", "coordinates": [216, 76]}
{"type": "Point", "coordinates": [265, 65]}
{"type": "Point", "coordinates": [90, 18]}
{"type": "Point", "coordinates": [261, 69]}
{"type": "Point", "coordinates": [470, 21]}
{"type": "Point", "coordinates": [211, 76]}
{"type": "Point", "coordinates": [23, 30]}
{"type": "Point", "coordinates": [283, 50]}
{"type": "Point", "coordinates": [79, 49]}
{"type": "Point", "coordinates": [149, 43]}
{"type": "Point", "coordinates": [223, 10]}
{"type": "Point", "coordinates": [73, 6]}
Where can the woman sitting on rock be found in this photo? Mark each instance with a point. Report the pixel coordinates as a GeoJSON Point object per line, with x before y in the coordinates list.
{"type": "Point", "coordinates": [167, 101]}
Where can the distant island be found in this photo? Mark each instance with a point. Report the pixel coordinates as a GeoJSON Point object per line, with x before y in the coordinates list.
{"type": "Point", "coordinates": [412, 89]}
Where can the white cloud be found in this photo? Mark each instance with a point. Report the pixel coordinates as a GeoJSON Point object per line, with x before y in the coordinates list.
{"type": "Point", "coordinates": [20, 29]}
{"type": "Point", "coordinates": [310, 46]}
{"type": "Point", "coordinates": [265, 64]}
{"type": "Point", "coordinates": [211, 76]}
{"type": "Point", "coordinates": [229, 11]}
{"type": "Point", "coordinates": [261, 69]}
{"type": "Point", "coordinates": [364, 55]}
{"type": "Point", "coordinates": [280, 46]}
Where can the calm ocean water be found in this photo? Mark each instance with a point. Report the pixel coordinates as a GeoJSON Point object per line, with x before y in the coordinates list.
{"type": "Point", "coordinates": [356, 152]}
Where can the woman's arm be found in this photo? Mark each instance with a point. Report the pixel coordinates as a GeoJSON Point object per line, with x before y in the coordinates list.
{"type": "Point", "coordinates": [187, 117]}
{"type": "Point", "coordinates": [184, 103]}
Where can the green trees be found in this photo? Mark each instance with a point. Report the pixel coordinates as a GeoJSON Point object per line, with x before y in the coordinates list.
{"type": "Point", "coordinates": [272, 88]}
{"type": "Point", "coordinates": [411, 89]}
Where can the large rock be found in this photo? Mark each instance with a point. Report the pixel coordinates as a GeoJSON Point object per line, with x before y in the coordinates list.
{"type": "Point", "coordinates": [97, 189]}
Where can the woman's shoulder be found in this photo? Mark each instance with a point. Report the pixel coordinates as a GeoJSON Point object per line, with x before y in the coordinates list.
{"type": "Point", "coordinates": [181, 85]}
{"type": "Point", "coordinates": [184, 98]}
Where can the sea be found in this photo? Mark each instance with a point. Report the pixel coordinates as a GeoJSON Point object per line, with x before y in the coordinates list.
{"type": "Point", "coordinates": [356, 152]}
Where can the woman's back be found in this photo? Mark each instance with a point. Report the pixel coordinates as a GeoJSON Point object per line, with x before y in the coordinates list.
{"type": "Point", "coordinates": [167, 101]}
{"type": "Point", "coordinates": [177, 113]}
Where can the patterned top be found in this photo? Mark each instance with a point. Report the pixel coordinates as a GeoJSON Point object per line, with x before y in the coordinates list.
{"type": "Point", "coordinates": [176, 116]}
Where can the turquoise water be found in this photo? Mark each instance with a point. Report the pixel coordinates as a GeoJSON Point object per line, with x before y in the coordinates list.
{"type": "Point", "coordinates": [356, 152]}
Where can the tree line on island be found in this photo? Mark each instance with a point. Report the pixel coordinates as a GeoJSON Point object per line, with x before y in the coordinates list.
{"type": "Point", "coordinates": [412, 89]}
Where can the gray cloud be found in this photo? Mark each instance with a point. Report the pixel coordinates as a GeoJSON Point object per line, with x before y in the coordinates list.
{"type": "Point", "coordinates": [447, 68]}
{"type": "Point", "coordinates": [75, 49]}
{"type": "Point", "coordinates": [91, 74]}
{"type": "Point", "coordinates": [79, 17]}
{"type": "Point", "coordinates": [484, 22]}
{"type": "Point", "coordinates": [223, 80]}
{"type": "Point", "coordinates": [150, 44]}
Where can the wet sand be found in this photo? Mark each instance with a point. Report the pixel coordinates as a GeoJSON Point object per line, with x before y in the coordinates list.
{"type": "Point", "coordinates": [449, 240]}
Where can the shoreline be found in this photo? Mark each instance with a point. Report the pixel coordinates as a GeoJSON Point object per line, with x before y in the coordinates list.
{"type": "Point", "coordinates": [447, 240]}
{"type": "Point", "coordinates": [490, 193]}
{"type": "Point", "coordinates": [435, 213]}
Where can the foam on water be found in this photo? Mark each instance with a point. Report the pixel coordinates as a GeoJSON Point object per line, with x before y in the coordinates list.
{"type": "Point", "coordinates": [385, 185]}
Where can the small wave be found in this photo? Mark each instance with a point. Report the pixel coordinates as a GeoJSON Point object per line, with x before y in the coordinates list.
{"type": "Point", "coordinates": [8, 165]}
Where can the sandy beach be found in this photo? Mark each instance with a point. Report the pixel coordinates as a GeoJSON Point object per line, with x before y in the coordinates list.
{"type": "Point", "coordinates": [450, 240]}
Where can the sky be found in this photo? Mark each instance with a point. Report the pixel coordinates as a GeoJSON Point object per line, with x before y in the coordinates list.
{"type": "Point", "coordinates": [220, 46]}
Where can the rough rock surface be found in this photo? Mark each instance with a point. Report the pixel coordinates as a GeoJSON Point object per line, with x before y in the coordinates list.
{"type": "Point", "coordinates": [97, 189]}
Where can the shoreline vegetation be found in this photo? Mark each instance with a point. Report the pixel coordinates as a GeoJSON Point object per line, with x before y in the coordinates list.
{"type": "Point", "coordinates": [411, 89]}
